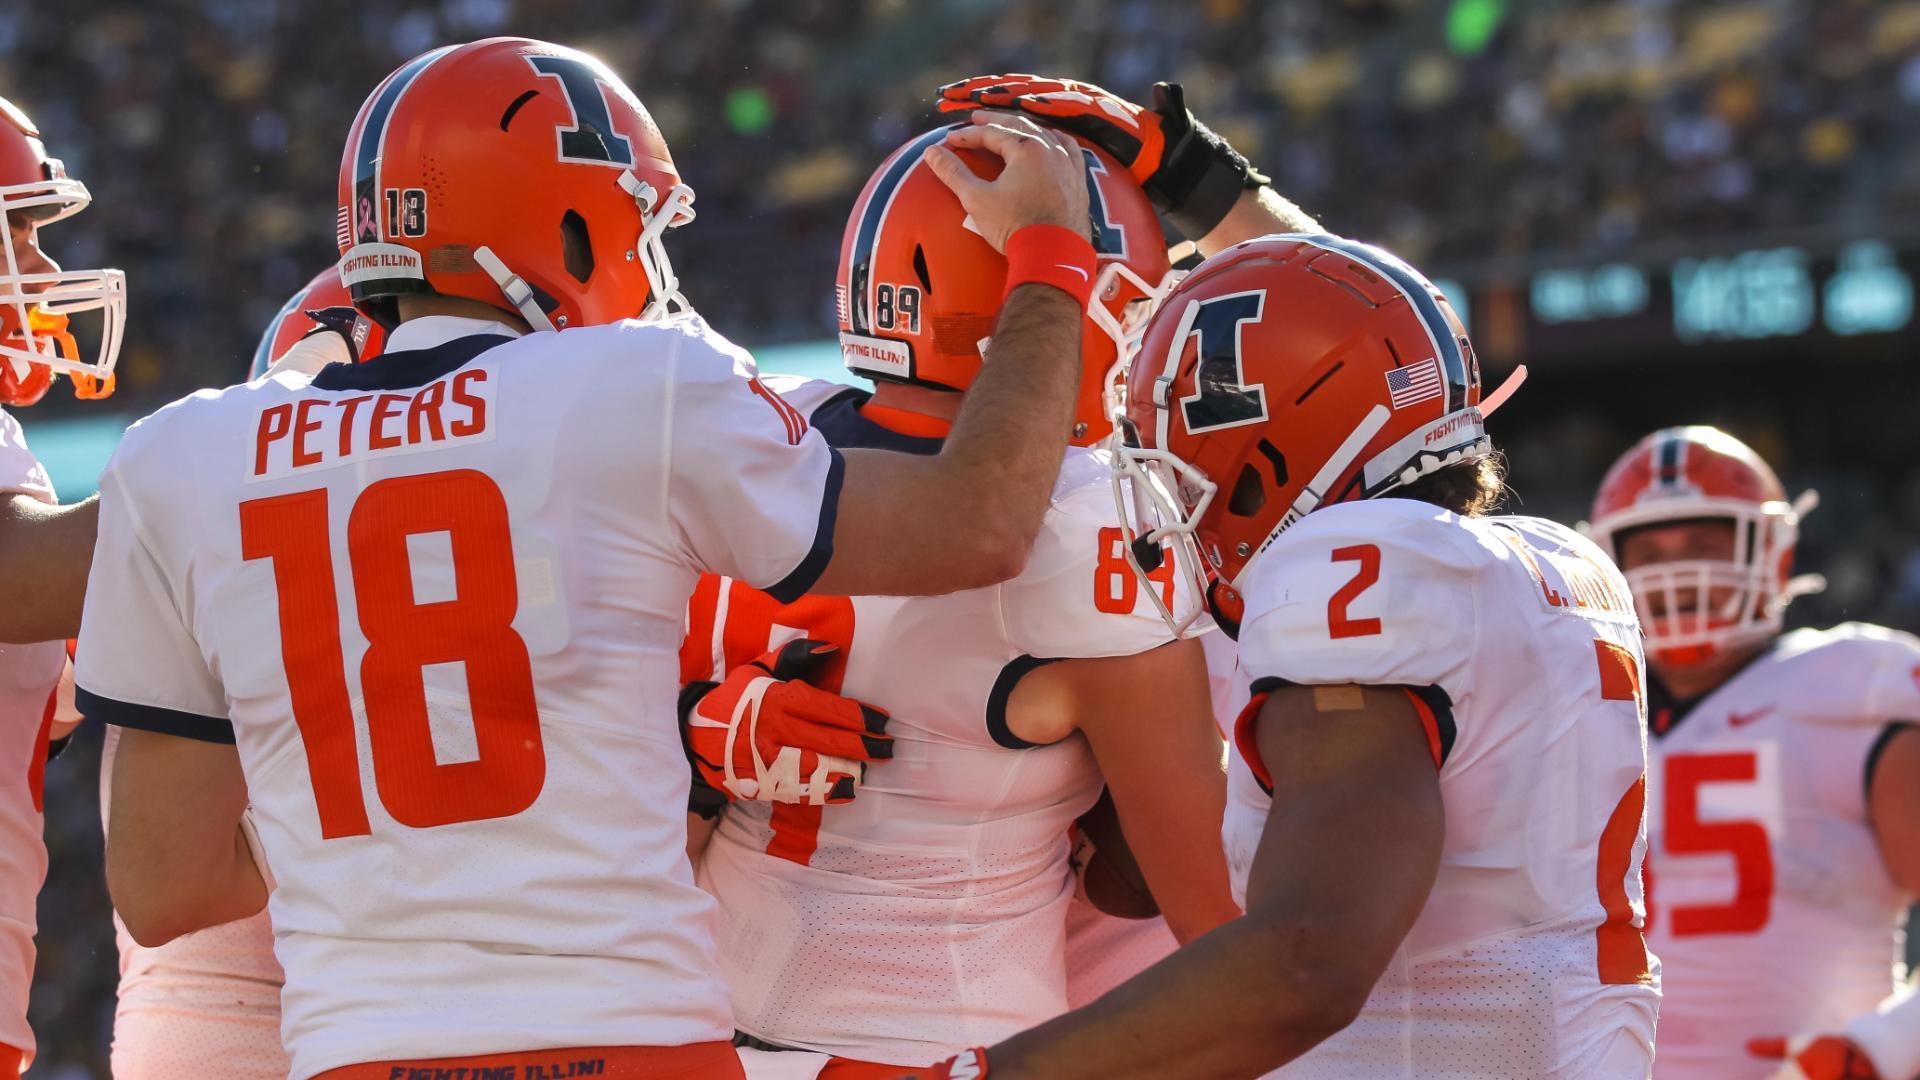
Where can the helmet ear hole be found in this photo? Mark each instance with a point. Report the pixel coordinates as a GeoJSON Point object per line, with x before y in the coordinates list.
{"type": "Point", "coordinates": [1249, 494]}
{"type": "Point", "coordinates": [576, 248]}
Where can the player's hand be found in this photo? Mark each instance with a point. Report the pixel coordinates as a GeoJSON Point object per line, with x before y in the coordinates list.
{"type": "Point", "coordinates": [1816, 1057]}
{"type": "Point", "coordinates": [966, 1065]}
{"type": "Point", "coordinates": [763, 735]}
{"type": "Point", "coordinates": [1043, 180]}
{"type": "Point", "coordinates": [1190, 172]}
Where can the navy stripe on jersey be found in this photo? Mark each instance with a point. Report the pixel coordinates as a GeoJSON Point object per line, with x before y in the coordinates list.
{"type": "Point", "coordinates": [132, 714]}
{"type": "Point", "coordinates": [406, 370]}
{"type": "Point", "coordinates": [373, 136]}
{"type": "Point", "coordinates": [839, 421]}
{"type": "Point", "coordinates": [866, 237]}
{"type": "Point", "coordinates": [1452, 360]}
{"type": "Point", "coordinates": [1018, 668]}
{"type": "Point", "coordinates": [797, 583]}
{"type": "Point", "coordinates": [1880, 747]}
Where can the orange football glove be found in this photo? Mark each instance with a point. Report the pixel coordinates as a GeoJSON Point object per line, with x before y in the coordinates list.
{"type": "Point", "coordinates": [966, 1065]}
{"type": "Point", "coordinates": [1816, 1057]}
{"type": "Point", "coordinates": [765, 736]}
{"type": "Point", "coordinates": [1192, 174]}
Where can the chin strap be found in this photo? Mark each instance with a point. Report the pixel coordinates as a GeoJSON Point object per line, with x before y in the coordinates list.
{"type": "Point", "coordinates": [514, 288]}
{"type": "Point", "coordinates": [1499, 397]}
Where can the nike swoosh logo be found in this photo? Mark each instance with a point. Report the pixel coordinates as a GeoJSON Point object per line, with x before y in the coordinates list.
{"type": "Point", "coordinates": [1735, 719]}
{"type": "Point", "coordinates": [1081, 270]}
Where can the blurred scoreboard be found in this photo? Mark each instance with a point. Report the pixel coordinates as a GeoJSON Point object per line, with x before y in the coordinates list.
{"type": "Point", "coordinates": [1859, 297]}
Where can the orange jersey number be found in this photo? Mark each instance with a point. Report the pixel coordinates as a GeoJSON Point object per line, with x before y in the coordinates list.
{"type": "Point", "coordinates": [1115, 586]}
{"type": "Point", "coordinates": [1746, 841]}
{"type": "Point", "coordinates": [474, 628]}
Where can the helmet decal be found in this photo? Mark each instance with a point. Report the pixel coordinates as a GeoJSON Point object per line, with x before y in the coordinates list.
{"type": "Point", "coordinates": [592, 139]}
{"type": "Point", "coordinates": [1670, 461]}
{"type": "Point", "coordinates": [1109, 237]}
{"type": "Point", "coordinates": [1221, 398]}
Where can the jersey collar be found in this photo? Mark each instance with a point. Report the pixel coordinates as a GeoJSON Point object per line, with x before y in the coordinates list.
{"type": "Point", "coordinates": [432, 330]}
{"type": "Point", "coordinates": [1665, 711]}
{"type": "Point", "coordinates": [418, 352]}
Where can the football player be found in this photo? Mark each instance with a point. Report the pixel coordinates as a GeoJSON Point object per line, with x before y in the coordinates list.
{"type": "Point", "coordinates": [1435, 806]}
{"type": "Point", "coordinates": [426, 608]}
{"type": "Point", "coordinates": [44, 547]}
{"type": "Point", "coordinates": [930, 915]}
{"type": "Point", "coordinates": [1785, 824]}
{"type": "Point", "coordinates": [209, 1002]}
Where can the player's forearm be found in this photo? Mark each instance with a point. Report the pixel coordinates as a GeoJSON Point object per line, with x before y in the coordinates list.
{"type": "Point", "coordinates": [1257, 212]}
{"type": "Point", "coordinates": [967, 517]}
{"type": "Point", "coordinates": [166, 890]}
{"type": "Point", "coordinates": [46, 552]}
{"type": "Point", "coordinates": [1227, 1005]}
{"type": "Point", "coordinates": [1005, 450]}
{"type": "Point", "coordinates": [1149, 720]}
{"type": "Point", "coordinates": [177, 857]}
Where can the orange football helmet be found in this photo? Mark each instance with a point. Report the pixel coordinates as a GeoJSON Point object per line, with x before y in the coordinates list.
{"type": "Point", "coordinates": [1284, 374]}
{"type": "Point", "coordinates": [1690, 473]}
{"type": "Point", "coordinates": [35, 307]}
{"type": "Point", "coordinates": [513, 172]}
{"type": "Point", "coordinates": [919, 289]}
{"type": "Point", "coordinates": [322, 303]}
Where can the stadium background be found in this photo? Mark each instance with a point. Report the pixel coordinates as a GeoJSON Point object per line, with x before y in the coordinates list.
{"type": "Point", "coordinates": [1672, 210]}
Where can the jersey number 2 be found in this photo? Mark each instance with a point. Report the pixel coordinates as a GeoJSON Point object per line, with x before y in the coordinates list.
{"type": "Point", "coordinates": [473, 629]}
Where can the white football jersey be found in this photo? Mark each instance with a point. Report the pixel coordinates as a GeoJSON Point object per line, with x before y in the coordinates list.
{"type": "Point", "coordinates": [437, 600]}
{"type": "Point", "coordinates": [28, 675]}
{"type": "Point", "coordinates": [1104, 951]}
{"type": "Point", "coordinates": [1519, 639]}
{"type": "Point", "coordinates": [208, 1001]}
{"type": "Point", "coordinates": [1771, 910]}
{"type": "Point", "coordinates": [928, 915]}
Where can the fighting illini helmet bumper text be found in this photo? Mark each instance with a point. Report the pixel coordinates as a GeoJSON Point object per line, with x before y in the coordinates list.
{"type": "Point", "coordinates": [1284, 374]}
{"type": "Point", "coordinates": [35, 341]}
{"type": "Point", "coordinates": [1690, 474]}
{"type": "Point", "coordinates": [513, 172]}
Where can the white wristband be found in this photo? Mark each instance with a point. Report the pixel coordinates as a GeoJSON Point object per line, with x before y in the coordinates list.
{"type": "Point", "coordinates": [1890, 1035]}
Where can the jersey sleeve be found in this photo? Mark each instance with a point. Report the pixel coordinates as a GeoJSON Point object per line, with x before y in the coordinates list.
{"type": "Point", "coordinates": [1352, 595]}
{"type": "Point", "coordinates": [1078, 596]}
{"type": "Point", "coordinates": [752, 489]}
{"type": "Point", "coordinates": [20, 472]}
{"type": "Point", "coordinates": [137, 664]}
{"type": "Point", "coordinates": [1893, 688]}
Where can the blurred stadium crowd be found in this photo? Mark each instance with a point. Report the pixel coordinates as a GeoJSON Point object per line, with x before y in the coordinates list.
{"type": "Point", "coordinates": [1456, 132]}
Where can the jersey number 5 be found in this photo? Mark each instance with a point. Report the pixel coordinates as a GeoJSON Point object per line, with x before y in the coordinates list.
{"type": "Point", "coordinates": [474, 629]}
{"type": "Point", "coordinates": [1745, 841]}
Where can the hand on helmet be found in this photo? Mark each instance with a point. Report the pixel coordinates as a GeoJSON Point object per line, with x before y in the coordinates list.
{"type": "Point", "coordinates": [1043, 180]}
{"type": "Point", "coordinates": [763, 735]}
{"type": "Point", "coordinates": [1192, 174]}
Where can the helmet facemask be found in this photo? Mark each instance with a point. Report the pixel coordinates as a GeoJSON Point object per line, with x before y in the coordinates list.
{"type": "Point", "coordinates": [1736, 601]}
{"type": "Point", "coordinates": [1161, 500]}
{"type": "Point", "coordinates": [35, 309]}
